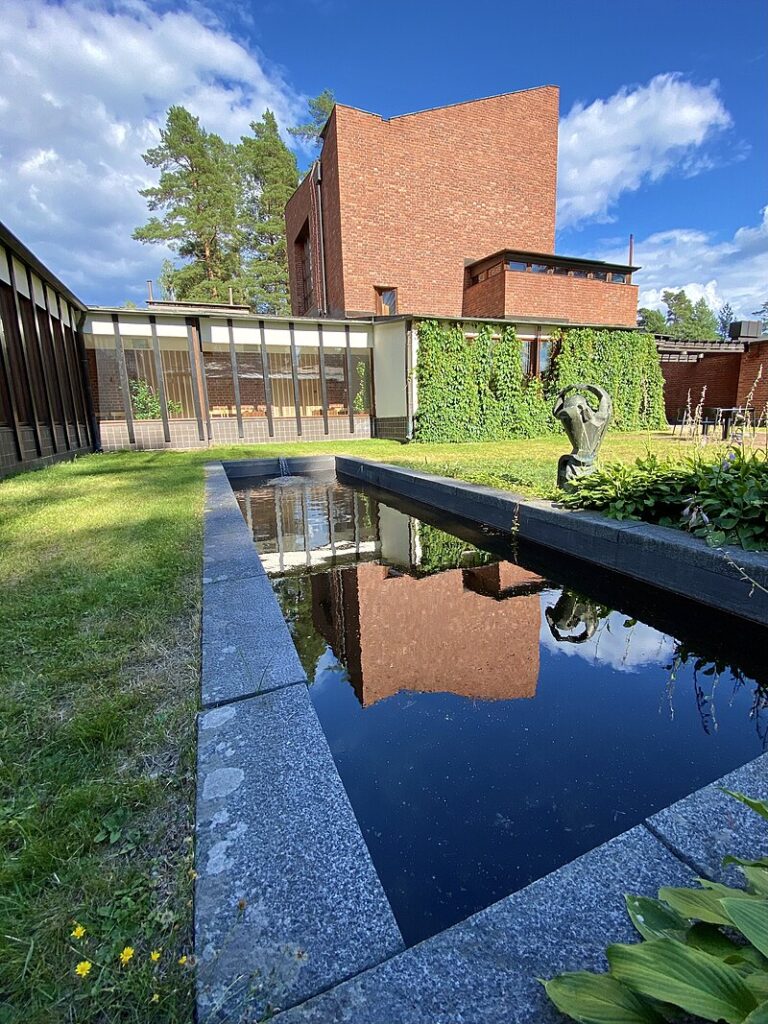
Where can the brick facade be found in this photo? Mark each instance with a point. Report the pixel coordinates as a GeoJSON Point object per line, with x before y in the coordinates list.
{"type": "Point", "coordinates": [551, 297]}
{"type": "Point", "coordinates": [719, 372]}
{"type": "Point", "coordinates": [409, 201]}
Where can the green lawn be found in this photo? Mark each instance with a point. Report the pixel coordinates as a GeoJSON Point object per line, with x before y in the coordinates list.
{"type": "Point", "coordinates": [99, 624]}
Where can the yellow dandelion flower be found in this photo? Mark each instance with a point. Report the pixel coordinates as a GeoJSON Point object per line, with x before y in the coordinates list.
{"type": "Point", "coordinates": [83, 969]}
{"type": "Point", "coordinates": [192, 874]}
{"type": "Point", "coordinates": [182, 960]}
{"type": "Point", "coordinates": [126, 955]}
{"type": "Point", "coordinates": [154, 956]}
{"type": "Point", "coordinates": [78, 931]}
{"type": "Point", "coordinates": [155, 998]}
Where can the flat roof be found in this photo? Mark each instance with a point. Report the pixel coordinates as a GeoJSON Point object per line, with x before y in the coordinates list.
{"type": "Point", "coordinates": [17, 247]}
{"type": "Point", "coordinates": [543, 256]}
{"type": "Point", "coordinates": [224, 313]}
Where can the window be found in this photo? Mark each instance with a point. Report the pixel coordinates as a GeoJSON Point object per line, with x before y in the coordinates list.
{"type": "Point", "coordinates": [304, 261]}
{"type": "Point", "coordinates": [618, 278]}
{"type": "Point", "coordinates": [545, 355]}
{"type": "Point", "coordinates": [281, 379]}
{"type": "Point", "coordinates": [310, 391]}
{"type": "Point", "coordinates": [516, 265]}
{"type": "Point", "coordinates": [579, 273]}
{"type": "Point", "coordinates": [599, 275]}
{"type": "Point", "coordinates": [559, 269]}
{"type": "Point", "coordinates": [386, 301]}
{"type": "Point", "coordinates": [540, 268]}
{"type": "Point", "coordinates": [250, 374]}
{"type": "Point", "coordinates": [336, 381]}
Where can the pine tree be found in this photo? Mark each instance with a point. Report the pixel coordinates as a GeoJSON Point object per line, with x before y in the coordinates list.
{"type": "Point", "coordinates": [762, 315]}
{"type": "Point", "coordinates": [679, 312]}
{"type": "Point", "coordinates": [703, 322]}
{"type": "Point", "coordinates": [197, 194]}
{"type": "Point", "coordinates": [724, 320]}
{"type": "Point", "coordinates": [651, 320]}
{"type": "Point", "coordinates": [319, 110]}
{"type": "Point", "coordinates": [268, 178]}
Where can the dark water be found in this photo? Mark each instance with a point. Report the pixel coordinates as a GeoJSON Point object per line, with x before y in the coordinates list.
{"type": "Point", "coordinates": [493, 712]}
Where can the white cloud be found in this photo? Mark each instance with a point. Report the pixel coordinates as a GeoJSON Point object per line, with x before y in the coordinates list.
{"type": "Point", "coordinates": [734, 271]}
{"type": "Point", "coordinates": [637, 136]}
{"type": "Point", "coordinates": [624, 649]}
{"type": "Point", "coordinates": [88, 87]}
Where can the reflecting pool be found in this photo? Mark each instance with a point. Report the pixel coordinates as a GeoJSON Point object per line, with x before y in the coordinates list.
{"type": "Point", "coordinates": [494, 710]}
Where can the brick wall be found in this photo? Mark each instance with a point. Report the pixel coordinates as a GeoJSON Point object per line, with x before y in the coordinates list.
{"type": "Point", "coordinates": [406, 202]}
{"type": "Point", "coordinates": [575, 299]}
{"type": "Point", "coordinates": [718, 371]}
{"type": "Point", "coordinates": [755, 357]}
{"type": "Point", "coordinates": [486, 298]}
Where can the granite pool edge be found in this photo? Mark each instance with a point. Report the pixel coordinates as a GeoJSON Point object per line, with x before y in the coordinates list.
{"type": "Point", "coordinates": [287, 901]}
{"type": "Point", "coordinates": [666, 558]}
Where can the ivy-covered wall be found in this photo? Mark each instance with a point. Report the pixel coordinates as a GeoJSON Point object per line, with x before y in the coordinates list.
{"type": "Point", "coordinates": [474, 389]}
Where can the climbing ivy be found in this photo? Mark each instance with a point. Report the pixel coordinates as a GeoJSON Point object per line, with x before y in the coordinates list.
{"type": "Point", "coordinates": [625, 363]}
{"type": "Point", "coordinates": [474, 389]}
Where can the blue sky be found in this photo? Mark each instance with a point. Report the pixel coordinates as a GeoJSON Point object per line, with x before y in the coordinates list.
{"type": "Point", "coordinates": [663, 115]}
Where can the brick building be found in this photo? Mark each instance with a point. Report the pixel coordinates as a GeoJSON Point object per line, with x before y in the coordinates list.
{"type": "Point", "coordinates": [448, 212]}
{"type": "Point", "coordinates": [734, 371]}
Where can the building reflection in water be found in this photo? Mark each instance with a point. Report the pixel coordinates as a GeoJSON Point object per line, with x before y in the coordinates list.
{"type": "Point", "coordinates": [398, 618]}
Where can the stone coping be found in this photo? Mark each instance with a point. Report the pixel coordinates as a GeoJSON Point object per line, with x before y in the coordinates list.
{"type": "Point", "coordinates": [289, 912]}
{"type": "Point", "coordinates": [287, 901]}
{"type": "Point", "coordinates": [661, 556]}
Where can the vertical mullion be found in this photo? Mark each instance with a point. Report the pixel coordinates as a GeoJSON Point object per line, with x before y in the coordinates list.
{"type": "Point", "coordinates": [160, 377]}
{"type": "Point", "coordinates": [323, 381]}
{"type": "Point", "coordinates": [235, 377]}
{"type": "Point", "coordinates": [5, 369]}
{"type": "Point", "coordinates": [43, 369]}
{"type": "Point", "coordinates": [57, 368]}
{"type": "Point", "coordinates": [70, 378]}
{"type": "Point", "coordinates": [267, 380]}
{"type": "Point", "coordinates": [349, 379]}
{"type": "Point", "coordinates": [91, 427]}
{"type": "Point", "coordinates": [78, 370]}
{"type": "Point", "coordinates": [122, 373]}
{"type": "Point", "coordinates": [295, 376]}
{"type": "Point", "coordinates": [203, 378]}
{"type": "Point", "coordinates": [194, 370]}
{"type": "Point", "coordinates": [23, 349]}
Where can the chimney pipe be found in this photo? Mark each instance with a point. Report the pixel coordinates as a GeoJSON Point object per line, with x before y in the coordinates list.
{"type": "Point", "coordinates": [150, 296]}
{"type": "Point", "coordinates": [231, 296]}
{"type": "Point", "coordinates": [631, 253]}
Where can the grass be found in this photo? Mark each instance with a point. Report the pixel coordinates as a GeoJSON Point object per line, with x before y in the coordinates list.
{"type": "Point", "coordinates": [99, 631]}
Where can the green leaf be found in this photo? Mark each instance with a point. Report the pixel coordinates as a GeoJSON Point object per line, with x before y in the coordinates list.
{"type": "Point", "coordinates": [654, 919]}
{"type": "Point", "coordinates": [751, 918]}
{"type": "Point", "coordinates": [598, 999]}
{"type": "Point", "coordinates": [709, 939]}
{"type": "Point", "coordinates": [754, 805]}
{"type": "Point", "coordinates": [698, 904]}
{"type": "Point", "coordinates": [674, 973]}
{"type": "Point", "coordinates": [757, 982]}
{"type": "Point", "coordinates": [759, 1015]}
{"type": "Point", "coordinates": [757, 878]}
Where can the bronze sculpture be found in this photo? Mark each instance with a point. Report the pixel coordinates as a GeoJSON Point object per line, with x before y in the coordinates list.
{"type": "Point", "coordinates": [585, 428]}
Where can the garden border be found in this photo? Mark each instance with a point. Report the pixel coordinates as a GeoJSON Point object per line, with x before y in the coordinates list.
{"type": "Point", "coordinates": [664, 557]}
{"type": "Point", "coordinates": [275, 828]}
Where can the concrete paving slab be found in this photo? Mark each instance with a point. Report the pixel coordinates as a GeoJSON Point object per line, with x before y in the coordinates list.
{"type": "Point", "coordinates": [485, 970]}
{"type": "Point", "coordinates": [287, 902]}
{"type": "Point", "coordinates": [247, 666]}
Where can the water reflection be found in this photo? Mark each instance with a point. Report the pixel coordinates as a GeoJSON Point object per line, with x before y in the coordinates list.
{"type": "Point", "coordinates": [473, 632]}
{"type": "Point", "coordinates": [493, 716]}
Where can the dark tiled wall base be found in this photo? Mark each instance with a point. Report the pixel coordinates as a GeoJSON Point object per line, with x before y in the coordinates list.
{"type": "Point", "coordinates": [9, 460]}
{"type": "Point", "coordinates": [185, 433]}
{"type": "Point", "coordinates": [392, 428]}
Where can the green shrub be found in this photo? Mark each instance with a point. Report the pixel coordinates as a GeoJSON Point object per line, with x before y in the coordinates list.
{"type": "Point", "coordinates": [725, 501]}
{"type": "Point", "coordinates": [146, 404]}
{"type": "Point", "coordinates": [704, 952]}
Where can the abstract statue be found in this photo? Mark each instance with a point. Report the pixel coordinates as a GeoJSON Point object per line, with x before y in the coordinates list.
{"type": "Point", "coordinates": [585, 428]}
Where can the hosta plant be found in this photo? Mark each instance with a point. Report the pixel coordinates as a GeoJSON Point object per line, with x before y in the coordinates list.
{"type": "Point", "coordinates": [703, 956]}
